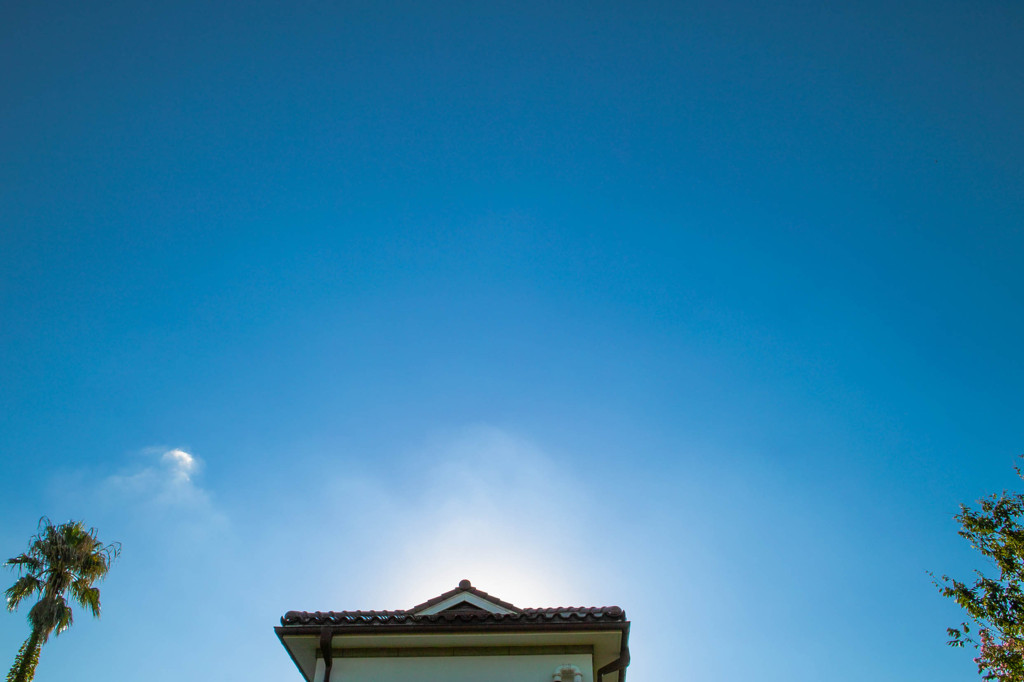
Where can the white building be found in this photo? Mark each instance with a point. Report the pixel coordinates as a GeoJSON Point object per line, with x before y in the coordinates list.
{"type": "Point", "coordinates": [464, 635]}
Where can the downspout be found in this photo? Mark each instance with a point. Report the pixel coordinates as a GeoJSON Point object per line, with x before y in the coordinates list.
{"type": "Point", "coordinates": [618, 664]}
{"type": "Point", "coordinates": [325, 649]}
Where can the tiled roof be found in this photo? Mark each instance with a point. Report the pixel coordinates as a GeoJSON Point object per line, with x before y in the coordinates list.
{"type": "Point", "coordinates": [451, 617]}
{"type": "Point", "coordinates": [454, 616]}
{"type": "Point", "coordinates": [560, 614]}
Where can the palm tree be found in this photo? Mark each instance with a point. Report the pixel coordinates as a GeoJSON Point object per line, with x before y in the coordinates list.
{"type": "Point", "coordinates": [61, 560]}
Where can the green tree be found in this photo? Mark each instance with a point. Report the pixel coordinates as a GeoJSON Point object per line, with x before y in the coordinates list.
{"type": "Point", "coordinates": [994, 603]}
{"type": "Point", "coordinates": [61, 560]}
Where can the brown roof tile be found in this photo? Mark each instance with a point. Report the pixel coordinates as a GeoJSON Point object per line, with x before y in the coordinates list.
{"type": "Point", "coordinates": [413, 616]}
{"type": "Point", "coordinates": [566, 614]}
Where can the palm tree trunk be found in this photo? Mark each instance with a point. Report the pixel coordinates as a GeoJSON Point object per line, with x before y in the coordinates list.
{"type": "Point", "coordinates": [24, 668]}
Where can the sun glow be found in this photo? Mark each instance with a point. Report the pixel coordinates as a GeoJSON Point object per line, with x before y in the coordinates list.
{"type": "Point", "coordinates": [492, 511]}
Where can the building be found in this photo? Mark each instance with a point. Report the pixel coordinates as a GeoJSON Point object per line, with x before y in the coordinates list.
{"type": "Point", "coordinates": [464, 635]}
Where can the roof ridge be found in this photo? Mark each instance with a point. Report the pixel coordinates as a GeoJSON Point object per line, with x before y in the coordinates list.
{"type": "Point", "coordinates": [464, 586]}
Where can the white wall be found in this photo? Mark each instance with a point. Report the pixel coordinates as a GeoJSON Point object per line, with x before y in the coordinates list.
{"type": "Point", "coordinates": [454, 668]}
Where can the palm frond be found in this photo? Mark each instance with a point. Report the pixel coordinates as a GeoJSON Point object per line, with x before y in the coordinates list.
{"type": "Point", "coordinates": [24, 562]}
{"type": "Point", "coordinates": [64, 617]}
{"type": "Point", "coordinates": [93, 566]}
{"type": "Point", "coordinates": [24, 587]}
{"type": "Point", "coordinates": [86, 595]}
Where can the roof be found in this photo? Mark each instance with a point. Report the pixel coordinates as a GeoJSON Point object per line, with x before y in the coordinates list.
{"type": "Point", "coordinates": [449, 618]}
{"type": "Point", "coordinates": [558, 614]}
{"type": "Point", "coordinates": [461, 611]}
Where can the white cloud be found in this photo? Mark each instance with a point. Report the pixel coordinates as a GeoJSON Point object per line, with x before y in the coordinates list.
{"type": "Point", "coordinates": [164, 480]}
{"type": "Point", "coordinates": [181, 464]}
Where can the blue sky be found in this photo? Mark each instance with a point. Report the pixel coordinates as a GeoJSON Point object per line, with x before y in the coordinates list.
{"type": "Point", "coordinates": [711, 310]}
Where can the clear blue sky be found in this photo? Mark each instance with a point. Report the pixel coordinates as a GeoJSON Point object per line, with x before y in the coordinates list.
{"type": "Point", "coordinates": [712, 310]}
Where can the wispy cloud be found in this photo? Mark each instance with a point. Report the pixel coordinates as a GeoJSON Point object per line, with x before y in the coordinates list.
{"type": "Point", "coordinates": [164, 479]}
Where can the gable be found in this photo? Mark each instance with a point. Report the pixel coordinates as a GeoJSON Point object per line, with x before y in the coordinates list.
{"type": "Point", "coordinates": [465, 601]}
{"type": "Point", "coordinates": [465, 597]}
